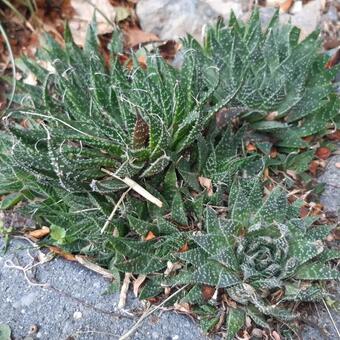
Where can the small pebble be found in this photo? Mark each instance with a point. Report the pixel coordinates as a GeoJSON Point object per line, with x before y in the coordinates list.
{"type": "Point", "coordinates": [33, 329]}
{"type": "Point", "coordinates": [337, 165]}
{"type": "Point", "coordinates": [77, 315]}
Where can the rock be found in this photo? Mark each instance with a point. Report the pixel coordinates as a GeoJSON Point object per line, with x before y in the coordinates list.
{"type": "Point", "coordinates": [296, 8]}
{"type": "Point", "coordinates": [331, 177]}
{"type": "Point", "coordinates": [77, 315]}
{"type": "Point", "coordinates": [224, 7]}
{"type": "Point", "coordinates": [308, 18]}
{"type": "Point", "coordinates": [266, 13]}
{"type": "Point", "coordinates": [171, 19]}
{"type": "Point", "coordinates": [332, 13]}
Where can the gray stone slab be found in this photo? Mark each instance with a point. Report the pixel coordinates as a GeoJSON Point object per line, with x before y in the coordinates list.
{"type": "Point", "coordinates": [330, 198]}
{"type": "Point", "coordinates": [73, 306]}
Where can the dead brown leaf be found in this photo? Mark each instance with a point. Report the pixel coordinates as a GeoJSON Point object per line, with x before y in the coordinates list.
{"type": "Point", "coordinates": [271, 116]}
{"type": "Point", "coordinates": [276, 335]}
{"type": "Point", "coordinates": [184, 248]}
{"type": "Point", "coordinates": [273, 152]}
{"type": "Point", "coordinates": [313, 167]}
{"type": "Point", "coordinates": [39, 233]}
{"type": "Point", "coordinates": [334, 60]}
{"type": "Point", "coordinates": [207, 184]}
{"type": "Point", "coordinates": [250, 147]}
{"type": "Point", "coordinates": [137, 283]}
{"type": "Point", "coordinates": [266, 173]}
{"type": "Point", "coordinates": [285, 6]}
{"type": "Point", "coordinates": [58, 251]}
{"type": "Point", "coordinates": [230, 303]}
{"type": "Point", "coordinates": [208, 292]}
{"type": "Point", "coordinates": [171, 267]}
{"type": "Point", "coordinates": [323, 152]}
{"type": "Point", "coordinates": [183, 307]}
{"type": "Point", "coordinates": [135, 36]}
{"type": "Point", "coordinates": [169, 49]}
{"type": "Point", "coordinates": [304, 211]}
{"type": "Point", "coordinates": [149, 236]}
{"type": "Point", "coordinates": [153, 300]}
{"type": "Point", "coordinates": [316, 208]}
{"type": "Point", "coordinates": [334, 136]}
{"type": "Point", "coordinates": [308, 139]}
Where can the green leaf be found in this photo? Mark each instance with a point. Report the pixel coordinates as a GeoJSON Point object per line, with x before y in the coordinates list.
{"type": "Point", "coordinates": [300, 162]}
{"type": "Point", "coordinates": [317, 271]}
{"type": "Point", "coordinates": [273, 209]}
{"type": "Point", "coordinates": [5, 332]}
{"type": "Point", "coordinates": [214, 274]}
{"type": "Point", "coordinates": [234, 322]}
{"type": "Point", "coordinates": [11, 200]}
{"type": "Point", "coordinates": [58, 234]}
{"type": "Point", "coordinates": [177, 210]}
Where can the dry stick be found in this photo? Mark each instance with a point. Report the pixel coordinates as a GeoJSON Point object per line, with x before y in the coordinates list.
{"type": "Point", "coordinates": [136, 187]}
{"type": "Point", "coordinates": [124, 290]}
{"type": "Point", "coordinates": [331, 317]}
{"type": "Point", "coordinates": [94, 267]}
{"type": "Point", "coordinates": [2, 31]}
{"type": "Point", "coordinates": [145, 315]}
{"type": "Point", "coordinates": [108, 221]}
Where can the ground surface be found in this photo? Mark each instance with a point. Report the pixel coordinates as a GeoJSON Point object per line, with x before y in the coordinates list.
{"type": "Point", "coordinates": [72, 305]}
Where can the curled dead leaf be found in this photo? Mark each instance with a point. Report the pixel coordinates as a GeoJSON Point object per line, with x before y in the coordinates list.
{"type": "Point", "coordinates": [316, 208]}
{"type": "Point", "coordinates": [171, 267]}
{"type": "Point", "coordinates": [323, 152]}
{"type": "Point", "coordinates": [273, 152]}
{"type": "Point", "coordinates": [58, 251]}
{"type": "Point", "coordinates": [313, 167]}
{"type": "Point", "coordinates": [39, 233]}
{"type": "Point", "coordinates": [292, 174]}
{"type": "Point", "coordinates": [207, 184]}
{"type": "Point", "coordinates": [149, 236]}
{"type": "Point", "coordinates": [334, 60]}
{"type": "Point", "coordinates": [183, 307]}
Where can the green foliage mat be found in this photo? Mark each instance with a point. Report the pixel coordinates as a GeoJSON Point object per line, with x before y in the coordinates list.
{"type": "Point", "coordinates": [140, 166]}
